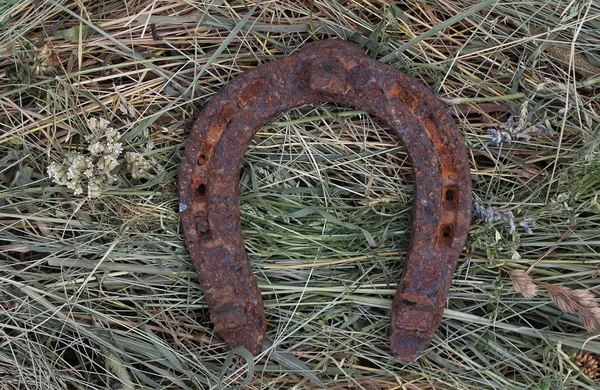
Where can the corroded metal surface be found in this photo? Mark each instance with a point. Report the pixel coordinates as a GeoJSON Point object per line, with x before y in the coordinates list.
{"type": "Point", "coordinates": [339, 72]}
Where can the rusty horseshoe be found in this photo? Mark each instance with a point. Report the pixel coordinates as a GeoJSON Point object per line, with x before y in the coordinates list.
{"type": "Point", "coordinates": [339, 72]}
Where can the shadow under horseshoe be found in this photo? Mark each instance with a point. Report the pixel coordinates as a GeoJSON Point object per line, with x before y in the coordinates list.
{"type": "Point", "coordinates": [339, 72]}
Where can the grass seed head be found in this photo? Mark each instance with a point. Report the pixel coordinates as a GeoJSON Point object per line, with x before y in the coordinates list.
{"type": "Point", "coordinates": [523, 283]}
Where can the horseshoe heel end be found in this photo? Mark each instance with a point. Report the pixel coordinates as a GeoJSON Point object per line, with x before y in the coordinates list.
{"type": "Point", "coordinates": [235, 303]}
{"type": "Point", "coordinates": [414, 321]}
{"type": "Point", "coordinates": [241, 325]}
{"type": "Point", "coordinates": [407, 346]}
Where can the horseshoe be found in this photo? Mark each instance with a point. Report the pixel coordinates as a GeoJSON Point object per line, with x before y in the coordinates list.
{"type": "Point", "coordinates": [339, 72]}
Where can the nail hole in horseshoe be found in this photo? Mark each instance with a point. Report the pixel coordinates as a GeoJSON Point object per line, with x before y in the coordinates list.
{"type": "Point", "coordinates": [447, 233]}
{"type": "Point", "coordinates": [409, 303]}
{"type": "Point", "coordinates": [201, 190]}
{"type": "Point", "coordinates": [451, 198]}
{"type": "Point", "coordinates": [202, 227]}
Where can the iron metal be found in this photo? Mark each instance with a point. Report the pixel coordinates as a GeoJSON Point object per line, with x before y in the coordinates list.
{"type": "Point", "coordinates": [339, 72]}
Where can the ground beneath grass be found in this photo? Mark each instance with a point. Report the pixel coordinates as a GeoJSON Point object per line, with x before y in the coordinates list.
{"type": "Point", "coordinates": [98, 290]}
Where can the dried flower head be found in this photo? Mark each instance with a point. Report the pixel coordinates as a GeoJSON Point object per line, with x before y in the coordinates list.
{"type": "Point", "coordinates": [91, 171]}
{"type": "Point", "coordinates": [97, 125]}
{"type": "Point", "coordinates": [45, 60]}
{"type": "Point", "coordinates": [523, 283]}
{"type": "Point", "coordinates": [587, 363]}
{"type": "Point", "coordinates": [489, 215]}
{"type": "Point", "coordinates": [137, 164]}
{"type": "Point", "coordinates": [521, 129]}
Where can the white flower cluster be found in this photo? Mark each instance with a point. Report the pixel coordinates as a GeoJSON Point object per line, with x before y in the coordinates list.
{"type": "Point", "coordinates": [91, 171]}
{"type": "Point", "coordinates": [137, 164]}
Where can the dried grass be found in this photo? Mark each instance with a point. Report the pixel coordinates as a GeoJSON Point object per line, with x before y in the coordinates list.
{"type": "Point", "coordinates": [92, 287]}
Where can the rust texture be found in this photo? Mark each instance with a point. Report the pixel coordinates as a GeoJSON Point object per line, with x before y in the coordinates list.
{"type": "Point", "coordinates": [339, 72]}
